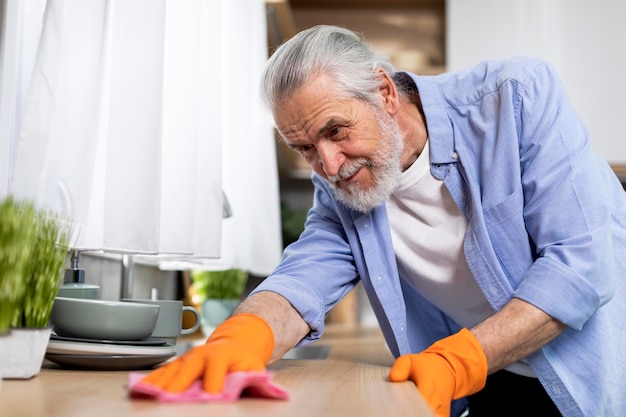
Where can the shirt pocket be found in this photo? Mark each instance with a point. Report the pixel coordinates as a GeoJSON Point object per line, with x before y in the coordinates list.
{"type": "Point", "coordinates": [509, 237]}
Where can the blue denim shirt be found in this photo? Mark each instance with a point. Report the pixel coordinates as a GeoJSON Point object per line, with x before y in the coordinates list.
{"type": "Point", "coordinates": [546, 223]}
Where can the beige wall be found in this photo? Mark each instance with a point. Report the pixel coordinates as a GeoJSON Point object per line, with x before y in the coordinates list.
{"type": "Point", "coordinates": [413, 38]}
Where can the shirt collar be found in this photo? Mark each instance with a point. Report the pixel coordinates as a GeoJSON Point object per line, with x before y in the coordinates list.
{"type": "Point", "coordinates": [440, 129]}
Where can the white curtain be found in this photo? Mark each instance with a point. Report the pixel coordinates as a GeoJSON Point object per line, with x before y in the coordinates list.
{"type": "Point", "coordinates": [252, 236]}
{"type": "Point", "coordinates": [132, 116]}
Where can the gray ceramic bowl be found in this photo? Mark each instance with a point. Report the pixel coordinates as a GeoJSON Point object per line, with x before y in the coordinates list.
{"type": "Point", "coordinates": [79, 290]}
{"type": "Point", "coordinates": [105, 320]}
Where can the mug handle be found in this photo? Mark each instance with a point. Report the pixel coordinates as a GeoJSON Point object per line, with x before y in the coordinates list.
{"type": "Point", "coordinates": [195, 326]}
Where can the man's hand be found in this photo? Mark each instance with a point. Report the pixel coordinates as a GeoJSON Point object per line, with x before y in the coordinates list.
{"type": "Point", "coordinates": [244, 342]}
{"type": "Point", "coordinates": [449, 369]}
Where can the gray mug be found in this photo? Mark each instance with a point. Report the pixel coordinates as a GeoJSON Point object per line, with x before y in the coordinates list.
{"type": "Point", "coordinates": [169, 325]}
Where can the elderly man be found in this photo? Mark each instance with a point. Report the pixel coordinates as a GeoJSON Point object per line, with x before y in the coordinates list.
{"type": "Point", "coordinates": [483, 228]}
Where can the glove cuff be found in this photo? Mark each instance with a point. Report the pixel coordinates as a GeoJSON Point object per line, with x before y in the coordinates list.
{"type": "Point", "coordinates": [467, 358]}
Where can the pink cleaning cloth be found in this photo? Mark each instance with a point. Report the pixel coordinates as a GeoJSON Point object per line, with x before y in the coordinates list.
{"type": "Point", "coordinates": [253, 384]}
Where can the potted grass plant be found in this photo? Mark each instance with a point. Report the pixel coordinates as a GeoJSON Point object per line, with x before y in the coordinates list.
{"type": "Point", "coordinates": [28, 283]}
{"type": "Point", "coordinates": [17, 229]}
{"type": "Point", "coordinates": [218, 292]}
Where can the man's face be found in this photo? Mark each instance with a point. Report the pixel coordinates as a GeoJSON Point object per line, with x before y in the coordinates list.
{"type": "Point", "coordinates": [355, 147]}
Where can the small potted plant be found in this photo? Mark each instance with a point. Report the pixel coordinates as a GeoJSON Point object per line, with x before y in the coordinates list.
{"type": "Point", "coordinates": [218, 294]}
{"type": "Point", "coordinates": [17, 229]}
{"type": "Point", "coordinates": [28, 283]}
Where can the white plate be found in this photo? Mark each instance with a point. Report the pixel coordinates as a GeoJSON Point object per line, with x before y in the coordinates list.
{"type": "Point", "coordinates": [153, 341]}
{"type": "Point", "coordinates": [87, 348]}
{"type": "Point", "coordinates": [107, 362]}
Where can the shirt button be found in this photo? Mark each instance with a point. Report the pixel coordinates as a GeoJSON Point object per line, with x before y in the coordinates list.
{"type": "Point", "coordinates": [455, 155]}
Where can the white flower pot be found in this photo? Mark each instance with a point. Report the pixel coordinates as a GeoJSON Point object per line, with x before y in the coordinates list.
{"type": "Point", "coordinates": [24, 351]}
{"type": "Point", "coordinates": [4, 343]}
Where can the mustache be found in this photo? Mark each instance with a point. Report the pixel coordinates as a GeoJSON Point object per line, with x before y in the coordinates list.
{"type": "Point", "coordinates": [348, 169]}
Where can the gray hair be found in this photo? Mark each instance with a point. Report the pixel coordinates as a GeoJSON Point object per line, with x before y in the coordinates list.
{"type": "Point", "coordinates": [332, 50]}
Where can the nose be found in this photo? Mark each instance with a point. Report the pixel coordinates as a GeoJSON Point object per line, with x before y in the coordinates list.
{"type": "Point", "coordinates": [330, 158]}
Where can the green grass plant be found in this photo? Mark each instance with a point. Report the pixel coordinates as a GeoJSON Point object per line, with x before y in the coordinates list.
{"type": "Point", "coordinates": [43, 277]}
{"type": "Point", "coordinates": [226, 284]}
{"type": "Point", "coordinates": [33, 249]}
{"type": "Point", "coordinates": [17, 232]}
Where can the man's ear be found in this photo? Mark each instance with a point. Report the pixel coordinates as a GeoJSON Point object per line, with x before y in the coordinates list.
{"type": "Point", "coordinates": [388, 91]}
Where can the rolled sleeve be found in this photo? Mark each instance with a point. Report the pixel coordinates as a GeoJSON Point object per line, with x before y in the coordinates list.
{"type": "Point", "coordinates": [560, 292]}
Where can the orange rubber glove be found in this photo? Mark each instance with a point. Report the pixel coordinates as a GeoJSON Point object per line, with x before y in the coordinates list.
{"type": "Point", "coordinates": [449, 369]}
{"type": "Point", "coordinates": [244, 342]}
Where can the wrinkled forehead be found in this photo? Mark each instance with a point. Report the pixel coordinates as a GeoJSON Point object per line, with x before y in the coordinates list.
{"type": "Point", "coordinates": [315, 100]}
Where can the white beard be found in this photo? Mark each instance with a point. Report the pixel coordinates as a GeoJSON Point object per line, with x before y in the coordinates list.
{"type": "Point", "coordinates": [385, 167]}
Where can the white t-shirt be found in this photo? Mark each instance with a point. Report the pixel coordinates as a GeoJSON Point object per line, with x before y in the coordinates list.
{"type": "Point", "coordinates": [428, 229]}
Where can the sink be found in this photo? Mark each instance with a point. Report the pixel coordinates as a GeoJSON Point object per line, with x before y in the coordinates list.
{"type": "Point", "coordinates": [308, 352]}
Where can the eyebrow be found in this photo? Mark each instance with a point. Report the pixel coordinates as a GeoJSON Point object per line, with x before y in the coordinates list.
{"type": "Point", "coordinates": [330, 123]}
{"type": "Point", "coordinates": [321, 131]}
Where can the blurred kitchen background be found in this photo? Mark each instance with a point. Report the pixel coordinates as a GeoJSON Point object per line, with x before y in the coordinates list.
{"type": "Point", "coordinates": [582, 39]}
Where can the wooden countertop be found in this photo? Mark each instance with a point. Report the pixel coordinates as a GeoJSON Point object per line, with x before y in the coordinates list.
{"type": "Point", "coordinates": [351, 381]}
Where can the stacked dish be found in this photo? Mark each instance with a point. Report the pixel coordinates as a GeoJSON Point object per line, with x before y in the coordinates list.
{"type": "Point", "coordinates": [105, 335]}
